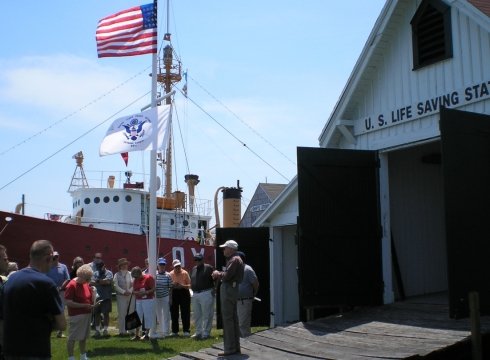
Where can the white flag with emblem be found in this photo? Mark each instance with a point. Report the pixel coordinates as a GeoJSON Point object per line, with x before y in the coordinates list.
{"type": "Point", "coordinates": [135, 132]}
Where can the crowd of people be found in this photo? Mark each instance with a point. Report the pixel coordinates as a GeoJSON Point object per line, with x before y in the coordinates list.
{"type": "Point", "coordinates": [86, 290]}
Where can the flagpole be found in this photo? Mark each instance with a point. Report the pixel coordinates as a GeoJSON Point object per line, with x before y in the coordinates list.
{"type": "Point", "coordinates": [152, 221]}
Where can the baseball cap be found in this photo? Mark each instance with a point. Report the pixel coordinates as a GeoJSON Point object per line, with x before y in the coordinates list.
{"type": "Point", "coordinates": [232, 244]}
{"type": "Point", "coordinates": [176, 262]}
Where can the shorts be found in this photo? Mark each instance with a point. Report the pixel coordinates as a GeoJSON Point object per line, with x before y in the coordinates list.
{"type": "Point", "coordinates": [105, 307]}
{"type": "Point", "coordinates": [79, 327]}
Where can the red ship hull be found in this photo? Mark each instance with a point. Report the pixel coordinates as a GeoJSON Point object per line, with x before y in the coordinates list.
{"type": "Point", "coordinates": [75, 240]}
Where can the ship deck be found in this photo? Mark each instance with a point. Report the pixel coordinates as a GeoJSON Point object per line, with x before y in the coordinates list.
{"type": "Point", "coordinates": [415, 329]}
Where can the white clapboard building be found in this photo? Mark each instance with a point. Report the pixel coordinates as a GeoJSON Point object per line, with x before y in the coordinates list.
{"type": "Point", "coordinates": [395, 201]}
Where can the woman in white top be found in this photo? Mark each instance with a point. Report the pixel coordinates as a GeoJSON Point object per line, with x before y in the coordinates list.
{"type": "Point", "coordinates": [123, 284]}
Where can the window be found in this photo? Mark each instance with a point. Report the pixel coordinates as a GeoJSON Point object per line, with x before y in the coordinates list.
{"type": "Point", "coordinates": [106, 199]}
{"type": "Point", "coordinates": [87, 201]}
{"type": "Point", "coordinates": [431, 33]}
{"type": "Point", "coordinates": [97, 200]}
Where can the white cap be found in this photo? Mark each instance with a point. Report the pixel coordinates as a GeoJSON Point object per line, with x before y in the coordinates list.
{"type": "Point", "coordinates": [176, 262]}
{"type": "Point", "coordinates": [232, 244]}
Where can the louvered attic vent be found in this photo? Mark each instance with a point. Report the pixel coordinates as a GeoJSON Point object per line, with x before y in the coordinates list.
{"type": "Point", "coordinates": [431, 33]}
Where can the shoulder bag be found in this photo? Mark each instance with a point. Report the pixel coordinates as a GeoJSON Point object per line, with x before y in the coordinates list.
{"type": "Point", "coordinates": [131, 321]}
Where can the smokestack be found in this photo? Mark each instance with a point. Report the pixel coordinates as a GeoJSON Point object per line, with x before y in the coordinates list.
{"type": "Point", "coordinates": [191, 181]}
{"type": "Point", "coordinates": [232, 213]}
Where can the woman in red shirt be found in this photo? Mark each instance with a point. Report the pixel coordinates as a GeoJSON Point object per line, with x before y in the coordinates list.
{"type": "Point", "coordinates": [80, 301]}
{"type": "Point", "coordinates": [144, 291]}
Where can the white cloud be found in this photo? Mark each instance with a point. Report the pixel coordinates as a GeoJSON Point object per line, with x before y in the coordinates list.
{"type": "Point", "coordinates": [60, 85]}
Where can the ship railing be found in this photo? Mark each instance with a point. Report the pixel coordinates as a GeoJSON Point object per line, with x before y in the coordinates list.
{"type": "Point", "coordinates": [115, 179]}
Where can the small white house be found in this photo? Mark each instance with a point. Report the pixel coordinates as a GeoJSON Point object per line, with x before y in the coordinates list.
{"type": "Point", "coordinates": [395, 201]}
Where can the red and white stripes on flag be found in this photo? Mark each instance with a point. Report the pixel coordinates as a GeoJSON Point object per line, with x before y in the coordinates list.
{"type": "Point", "coordinates": [129, 32]}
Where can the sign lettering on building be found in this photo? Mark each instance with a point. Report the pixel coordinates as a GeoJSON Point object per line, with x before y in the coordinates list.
{"type": "Point", "coordinates": [469, 94]}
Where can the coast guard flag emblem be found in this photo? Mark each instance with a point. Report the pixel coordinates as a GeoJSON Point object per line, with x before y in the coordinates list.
{"type": "Point", "coordinates": [135, 132]}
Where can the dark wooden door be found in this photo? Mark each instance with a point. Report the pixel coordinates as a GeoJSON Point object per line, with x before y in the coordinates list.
{"type": "Point", "coordinates": [339, 228]}
{"type": "Point", "coordinates": [465, 142]}
{"type": "Point", "coordinates": [254, 242]}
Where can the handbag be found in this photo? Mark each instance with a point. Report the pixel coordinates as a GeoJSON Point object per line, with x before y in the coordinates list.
{"type": "Point", "coordinates": [131, 321]}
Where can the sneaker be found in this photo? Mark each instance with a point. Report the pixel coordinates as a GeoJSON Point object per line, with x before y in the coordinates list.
{"type": "Point", "coordinates": [204, 337]}
{"type": "Point", "coordinates": [136, 337]}
{"type": "Point", "coordinates": [144, 337]}
{"type": "Point", "coordinates": [186, 333]}
{"type": "Point", "coordinates": [174, 334]}
{"type": "Point", "coordinates": [196, 336]}
{"type": "Point", "coordinates": [60, 335]}
{"type": "Point", "coordinates": [97, 333]}
{"type": "Point", "coordinates": [105, 333]}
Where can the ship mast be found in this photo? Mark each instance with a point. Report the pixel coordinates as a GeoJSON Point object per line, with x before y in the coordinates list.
{"type": "Point", "coordinates": [171, 75]}
{"type": "Point", "coordinates": [167, 78]}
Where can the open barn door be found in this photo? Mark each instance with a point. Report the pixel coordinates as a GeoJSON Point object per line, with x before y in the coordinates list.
{"type": "Point", "coordinates": [254, 242]}
{"type": "Point", "coordinates": [465, 142]}
{"type": "Point", "coordinates": [339, 228]}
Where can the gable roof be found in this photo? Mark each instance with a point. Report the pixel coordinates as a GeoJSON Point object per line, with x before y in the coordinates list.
{"type": "Point", "coordinates": [272, 190]}
{"type": "Point", "coordinates": [288, 191]}
{"type": "Point", "coordinates": [482, 5]}
{"type": "Point", "coordinates": [372, 53]}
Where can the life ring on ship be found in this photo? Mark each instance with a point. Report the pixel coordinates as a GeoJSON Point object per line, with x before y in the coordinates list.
{"type": "Point", "coordinates": [190, 238]}
{"type": "Point", "coordinates": [90, 225]}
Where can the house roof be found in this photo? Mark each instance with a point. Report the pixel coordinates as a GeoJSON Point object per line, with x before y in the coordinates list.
{"type": "Point", "coordinates": [288, 190]}
{"type": "Point", "coordinates": [272, 190]}
{"type": "Point", "coordinates": [372, 55]}
{"type": "Point", "coordinates": [482, 5]}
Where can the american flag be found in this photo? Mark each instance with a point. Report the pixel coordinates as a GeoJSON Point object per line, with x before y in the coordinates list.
{"type": "Point", "coordinates": [129, 32]}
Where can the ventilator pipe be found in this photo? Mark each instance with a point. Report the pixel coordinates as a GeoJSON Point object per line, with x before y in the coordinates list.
{"type": "Point", "coordinates": [18, 208]}
{"type": "Point", "coordinates": [216, 209]}
{"type": "Point", "coordinates": [191, 181]}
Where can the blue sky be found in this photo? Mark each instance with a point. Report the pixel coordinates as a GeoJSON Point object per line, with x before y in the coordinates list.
{"type": "Point", "coordinates": [270, 72]}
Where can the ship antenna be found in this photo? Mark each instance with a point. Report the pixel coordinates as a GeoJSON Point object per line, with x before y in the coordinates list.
{"type": "Point", "coordinates": [78, 180]}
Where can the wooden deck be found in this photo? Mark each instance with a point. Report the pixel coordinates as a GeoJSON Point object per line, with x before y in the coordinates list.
{"type": "Point", "coordinates": [415, 329]}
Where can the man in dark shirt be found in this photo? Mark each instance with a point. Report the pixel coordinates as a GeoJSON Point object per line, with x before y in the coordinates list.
{"type": "Point", "coordinates": [32, 301]}
{"type": "Point", "coordinates": [230, 278]}
{"type": "Point", "coordinates": [202, 285]}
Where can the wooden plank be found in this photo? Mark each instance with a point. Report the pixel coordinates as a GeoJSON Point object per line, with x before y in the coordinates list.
{"type": "Point", "coordinates": [251, 350]}
{"type": "Point", "coordinates": [308, 349]}
{"type": "Point", "coordinates": [347, 345]}
{"type": "Point", "coordinates": [198, 355]}
{"type": "Point", "coordinates": [257, 351]}
{"type": "Point", "coordinates": [386, 329]}
{"type": "Point", "coordinates": [366, 344]}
